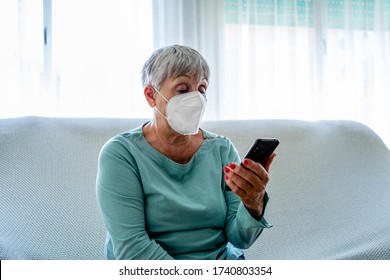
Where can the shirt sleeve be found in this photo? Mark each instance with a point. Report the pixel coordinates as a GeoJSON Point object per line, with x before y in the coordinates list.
{"type": "Point", "coordinates": [121, 201]}
{"type": "Point", "coordinates": [242, 229]}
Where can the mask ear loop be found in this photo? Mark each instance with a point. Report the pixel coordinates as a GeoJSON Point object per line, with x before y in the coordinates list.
{"type": "Point", "coordinates": [156, 104]}
{"type": "Point", "coordinates": [160, 94]}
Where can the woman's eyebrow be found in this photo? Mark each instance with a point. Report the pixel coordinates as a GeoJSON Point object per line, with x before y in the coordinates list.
{"type": "Point", "coordinates": [183, 76]}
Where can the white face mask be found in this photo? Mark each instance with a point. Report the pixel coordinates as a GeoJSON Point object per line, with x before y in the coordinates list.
{"type": "Point", "coordinates": [184, 111]}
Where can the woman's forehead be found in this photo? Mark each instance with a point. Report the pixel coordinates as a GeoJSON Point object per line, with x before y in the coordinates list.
{"type": "Point", "coordinates": [186, 78]}
{"type": "Point", "coordinates": [194, 76]}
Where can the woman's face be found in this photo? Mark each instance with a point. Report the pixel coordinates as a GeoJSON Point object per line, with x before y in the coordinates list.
{"type": "Point", "coordinates": [183, 84]}
{"type": "Point", "coordinates": [180, 85]}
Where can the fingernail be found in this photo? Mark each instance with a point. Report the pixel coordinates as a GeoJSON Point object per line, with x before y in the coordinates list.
{"type": "Point", "coordinates": [232, 166]}
{"type": "Point", "coordinates": [226, 169]}
{"type": "Point", "coordinates": [246, 162]}
{"type": "Point", "coordinates": [226, 177]}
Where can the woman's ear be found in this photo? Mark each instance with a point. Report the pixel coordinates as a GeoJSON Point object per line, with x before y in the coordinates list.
{"type": "Point", "coordinates": [150, 95]}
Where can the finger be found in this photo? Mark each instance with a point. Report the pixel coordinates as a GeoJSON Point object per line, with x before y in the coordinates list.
{"type": "Point", "coordinates": [250, 199]}
{"type": "Point", "coordinates": [269, 162]}
{"type": "Point", "coordinates": [236, 180]}
{"type": "Point", "coordinates": [244, 179]}
{"type": "Point", "coordinates": [236, 189]}
{"type": "Point", "coordinates": [257, 169]}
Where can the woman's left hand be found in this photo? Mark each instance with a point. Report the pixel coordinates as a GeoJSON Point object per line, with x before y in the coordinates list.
{"type": "Point", "coordinates": [249, 183]}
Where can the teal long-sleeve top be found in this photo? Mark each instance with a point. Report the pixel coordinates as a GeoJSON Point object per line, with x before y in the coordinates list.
{"type": "Point", "coordinates": [155, 208]}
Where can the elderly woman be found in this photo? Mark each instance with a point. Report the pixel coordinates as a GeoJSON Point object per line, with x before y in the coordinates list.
{"type": "Point", "coordinates": [170, 190]}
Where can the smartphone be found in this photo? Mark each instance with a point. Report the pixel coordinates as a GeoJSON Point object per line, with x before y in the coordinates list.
{"type": "Point", "coordinates": [262, 149]}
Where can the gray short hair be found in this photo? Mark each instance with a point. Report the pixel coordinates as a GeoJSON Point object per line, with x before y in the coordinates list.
{"type": "Point", "coordinates": [171, 62]}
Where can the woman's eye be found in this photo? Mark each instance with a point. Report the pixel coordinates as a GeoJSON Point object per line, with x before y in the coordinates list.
{"type": "Point", "coordinates": [186, 89]}
{"type": "Point", "coordinates": [182, 89]}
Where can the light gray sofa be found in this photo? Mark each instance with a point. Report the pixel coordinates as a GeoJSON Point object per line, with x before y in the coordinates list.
{"type": "Point", "coordinates": [329, 189]}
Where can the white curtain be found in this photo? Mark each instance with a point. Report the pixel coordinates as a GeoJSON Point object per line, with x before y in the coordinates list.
{"type": "Point", "coordinates": [21, 56]}
{"type": "Point", "coordinates": [198, 24]}
{"type": "Point", "coordinates": [88, 66]}
{"type": "Point", "coordinates": [270, 60]}
{"type": "Point", "coordinates": [302, 59]}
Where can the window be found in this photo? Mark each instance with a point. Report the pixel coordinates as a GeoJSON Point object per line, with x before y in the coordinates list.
{"type": "Point", "coordinates": [86, 60]}
{"type": "Point", "coordinates": [308, 60]}
{"type": "Point", "coordinates": [21, 55]}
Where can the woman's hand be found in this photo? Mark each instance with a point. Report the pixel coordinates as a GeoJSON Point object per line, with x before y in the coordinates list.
{"type": "Point", "coordinates": [249, 183]}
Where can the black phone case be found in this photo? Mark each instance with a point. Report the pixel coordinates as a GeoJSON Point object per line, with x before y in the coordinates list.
{"type": "Point", "coordinates": [262, 149]}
